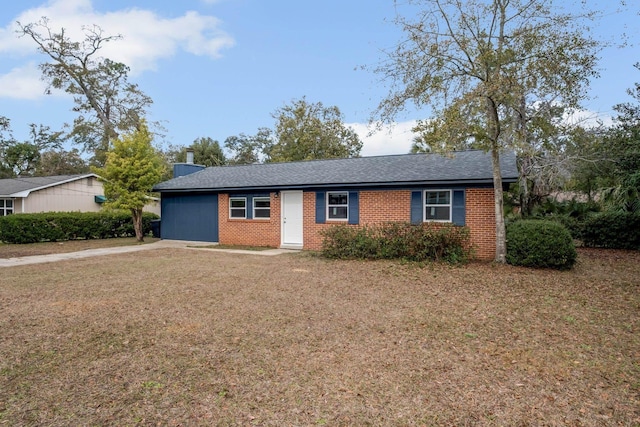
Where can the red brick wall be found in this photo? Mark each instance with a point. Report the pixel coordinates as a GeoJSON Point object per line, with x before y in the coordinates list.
{"type": "Point", "coordinates": [251, 232]}
{"type": "Point", "coordinates": [480, 218]}
{"type": "Point", "coordinates": [375, 207]}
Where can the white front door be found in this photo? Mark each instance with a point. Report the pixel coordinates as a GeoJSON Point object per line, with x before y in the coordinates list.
{"type": "Point", "coordinates": [292, 219]}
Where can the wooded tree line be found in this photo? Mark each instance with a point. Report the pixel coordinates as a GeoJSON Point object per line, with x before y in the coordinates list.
{"type": "Point", "coordinates": [494, 74]}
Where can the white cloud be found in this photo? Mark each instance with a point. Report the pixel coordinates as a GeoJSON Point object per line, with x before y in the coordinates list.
{"type": "Point", "coordinates": [22, 83]}
{"type": "Point", "coordinates": [588, 119]}
{"type": "Point", "coordinates": [390, 139]}
{"type": "Point", "coordinates": [147, 37]}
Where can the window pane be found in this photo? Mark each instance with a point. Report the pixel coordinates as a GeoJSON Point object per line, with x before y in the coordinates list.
{"type": "Point", "coordinates": [261, 203]}
{"type": "Point", "coordinates": [237, 213]}
{"type": "Point", "coordinates": [1, 203]}
{"type": "Point", "coordinates": [338, 198]}
{"type": "Point", "coordinates": [437, 213]}
{"type": "Point", "coordinates": [9, 203]}
{"type": "Point", "coordinates": [338, 212]}
{"type": "Point", "coordinates": [238, 203]}
{"type": "Point", "coordinates": [438, 197]}
{"type": "Point", "coordinates": [262, 213]}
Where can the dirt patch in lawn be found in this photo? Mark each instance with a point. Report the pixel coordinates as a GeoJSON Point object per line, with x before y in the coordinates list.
{"type": "Point", "coordinates": [180, 337]}
{"type": "Point", "coordinates": [46, 248]}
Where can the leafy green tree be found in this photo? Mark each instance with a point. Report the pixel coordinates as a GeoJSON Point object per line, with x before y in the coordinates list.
{"type": "Point", "coordinates": [61, 162]}
{"type": "Point", "coordinates": [624, 146]}
{"type": "Point", "coordinates": [21, 158]}
{"type": "Point", "coordinates": [248, 149]}
{"type": "Point", "coordinates": [206, 152]}
{"type": "Point", "coordinates": [106, 102]}
{"type": "Point", "coordinates": [479, 65]}
{"type": "Point", "coordinates": [306, 131]}
{"type": "Point", "coordinates": [133, 166]}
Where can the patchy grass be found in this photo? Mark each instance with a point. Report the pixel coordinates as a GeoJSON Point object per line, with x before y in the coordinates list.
{"type": "Point", "coordinates": [183, 337]}
{"type": "Point", "coordinates": [45, 248]}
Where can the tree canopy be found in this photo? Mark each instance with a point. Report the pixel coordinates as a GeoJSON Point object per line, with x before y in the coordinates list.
{"type": "Point", "coordinates": [623, 148]}
{"type": "Point", "coordinates": [206, 152]}
{"type": "Point", "coordinates": [107, 103]}
{"type": "Point", "coordinates": [23, 158]}
{"type": "Point", "coordinates": [480, 66]}
{"type": "Point", "coordinates": [61, 162]}
{"type": "Point", "coordinates": [247, 149]}
{"type": "Point", "coordinates": [308, 131]}
{"type": "Point", "coordinates": [303, 131]}
{"type": "Point", "coordinates": [133, 166]}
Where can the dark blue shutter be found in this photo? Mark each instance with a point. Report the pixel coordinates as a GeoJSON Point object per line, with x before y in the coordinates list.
{"type": "Point", "coordinates": [458, 214]}
{"type": "Point", "coordinates": [354, 207]}
{"type": "Point", "coordinates": [320, 207]}
{"type": "Point", "coordinates": [249, 207]}
{"type": "Point", "coordinates": [417, 210]}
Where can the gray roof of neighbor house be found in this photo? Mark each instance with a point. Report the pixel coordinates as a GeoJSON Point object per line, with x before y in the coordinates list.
{"type": "Point", "coordinates": [21, 187]}
{"type": "Point", "coordinates": [463, 167]}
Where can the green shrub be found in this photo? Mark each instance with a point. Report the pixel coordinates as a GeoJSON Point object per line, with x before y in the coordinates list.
{"type": "Point", "coordinates": [541, 244]}
{"type": "Point", "coordinates": [614, 230]}
{"type": "Point", "coordinates": [59, 226]}
{"type": "Point", "coordinates": [394, 240]}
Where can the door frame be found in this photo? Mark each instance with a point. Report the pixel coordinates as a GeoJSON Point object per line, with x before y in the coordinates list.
{"type": "Point", "coordinates": [283, 201]}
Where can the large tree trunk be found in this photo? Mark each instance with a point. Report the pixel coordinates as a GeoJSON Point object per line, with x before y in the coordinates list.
{"type": "Point", "coordinates": [501, 238]}
{"type": "Point", "coordinates": [137, 224]}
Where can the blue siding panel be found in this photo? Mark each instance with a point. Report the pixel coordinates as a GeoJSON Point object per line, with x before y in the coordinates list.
{"type": "Point", "coordinates": [417, 212]}
{"type": "Point", "coordinates": [190, 217]}
{"type": "Point", "coordinates": [182, 169]}
{"type": "Point", "coordinates": [354, 208]}
{"type": "Point", "coordinates": [458, 208]}
{"type": "Point", "coordinates": [321, 209]}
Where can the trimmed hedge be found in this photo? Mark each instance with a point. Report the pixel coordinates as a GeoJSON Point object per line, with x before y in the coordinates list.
{"type": "Point", "coordinates": [398, 240]}
{"type": "Point", "coordinates": [613, 230]}
{"type": "Point", "coordinates": [540, 244]}
{"type": "Point", "coordinates": [60, 226]}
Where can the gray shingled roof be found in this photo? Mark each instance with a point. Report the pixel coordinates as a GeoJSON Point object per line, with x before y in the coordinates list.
{"type": "Point", "coordinates": [21, 187]}
{"type": "Point", "coordinates": [464, 167]}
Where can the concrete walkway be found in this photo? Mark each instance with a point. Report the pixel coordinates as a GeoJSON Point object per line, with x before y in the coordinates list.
{"type": "Point", "coordinates": [39, 259]}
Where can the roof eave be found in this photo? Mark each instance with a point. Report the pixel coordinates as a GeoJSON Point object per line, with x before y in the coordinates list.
{"type": "Point", "coordinates": [395, 184]}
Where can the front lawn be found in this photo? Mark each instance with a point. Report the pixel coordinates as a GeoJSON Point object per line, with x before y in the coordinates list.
{"type": "Point", "coordinates": [182, 337]}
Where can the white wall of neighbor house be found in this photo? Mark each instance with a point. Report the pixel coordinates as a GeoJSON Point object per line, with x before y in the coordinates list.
{"type": "Point", "coordinates": [75, 196]}
{"type": "Point", "coordinates": [153, 206]}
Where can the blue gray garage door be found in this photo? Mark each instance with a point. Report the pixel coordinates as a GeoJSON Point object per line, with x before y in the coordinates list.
{"type": "Point", "coordinates": [189, 217]}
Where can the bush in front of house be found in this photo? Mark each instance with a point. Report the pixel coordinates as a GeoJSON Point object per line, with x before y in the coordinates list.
{"type": "Point", "coordinates": [398, 240]}
{"type": "Point", "coordinates": [614, 230]}
{"type": "Point", "coordinates": [540, 244]}
{"type": "Point", "coordinates": [60, 226]}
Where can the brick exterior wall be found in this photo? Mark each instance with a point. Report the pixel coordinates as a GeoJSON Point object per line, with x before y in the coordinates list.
{"type": "Point", "coordinates": [250, 232]}
{"type": "Point", "coordinates": [375, 207]}
{"type": "Point", "coordinates": [480, 218]}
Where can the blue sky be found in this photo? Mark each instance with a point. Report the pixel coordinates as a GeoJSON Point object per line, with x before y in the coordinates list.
{"type": "Point", "coordinates": [216, 68]}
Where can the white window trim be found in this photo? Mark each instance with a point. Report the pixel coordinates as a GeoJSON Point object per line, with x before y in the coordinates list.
{"type": "Point", "coordinates": [267, 198]}
{"type": "Point", "coordinates": [327, 207]}
{"type": "Point", "coordinates": [245, 207]}
{"type": "Point", "coordinates": [424, 205]}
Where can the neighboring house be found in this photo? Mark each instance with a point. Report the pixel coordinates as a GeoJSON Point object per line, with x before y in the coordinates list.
{"type": "Point", "coordinates": [62, 193]}
{"type": "Point", "coordinates": [287, 204]}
